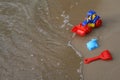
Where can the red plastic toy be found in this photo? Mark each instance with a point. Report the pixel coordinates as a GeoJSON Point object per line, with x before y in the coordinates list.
{"type": "Point", "coordinates": [105, 55]}
{"type": "Point", "coordinates": [81, 30]}
{"type": "Point", "coordinates": [92, 20]}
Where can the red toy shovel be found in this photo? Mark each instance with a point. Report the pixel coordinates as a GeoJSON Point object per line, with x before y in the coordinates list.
{"type": "Point", "coordinates": [105, 55]}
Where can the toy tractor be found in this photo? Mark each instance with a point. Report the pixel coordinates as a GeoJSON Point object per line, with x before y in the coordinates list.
{"type": "Point", "coordinates": [91, 21]}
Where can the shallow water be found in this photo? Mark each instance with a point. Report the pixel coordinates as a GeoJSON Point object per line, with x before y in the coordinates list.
{"type": "Point", "coordinates": [33, 46]}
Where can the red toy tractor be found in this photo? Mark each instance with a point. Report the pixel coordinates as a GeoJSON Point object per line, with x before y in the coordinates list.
{"type": "Point", "coordinates": [92, 21]}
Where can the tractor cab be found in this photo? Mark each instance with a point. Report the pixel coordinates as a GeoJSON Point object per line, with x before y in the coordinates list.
{"type": "Point", "coordinates": [90, 19]}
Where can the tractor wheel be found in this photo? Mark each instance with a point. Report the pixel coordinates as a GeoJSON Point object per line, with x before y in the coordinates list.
{"type": "Point", "coordinates": [98, 23]}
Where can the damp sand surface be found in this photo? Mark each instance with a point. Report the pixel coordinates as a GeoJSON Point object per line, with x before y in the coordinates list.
{"type": "Point", "coordinates": [34, 36]}
{"type": "Point", "coordinates": [108, 38]}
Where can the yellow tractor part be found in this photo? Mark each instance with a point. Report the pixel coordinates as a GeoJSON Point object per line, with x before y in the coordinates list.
{"type": "Point", "coordinates": [91, 25]}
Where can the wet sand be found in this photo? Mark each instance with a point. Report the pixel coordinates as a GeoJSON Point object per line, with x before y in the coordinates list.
{"type": "Point", "coordinates": [108, 38]}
